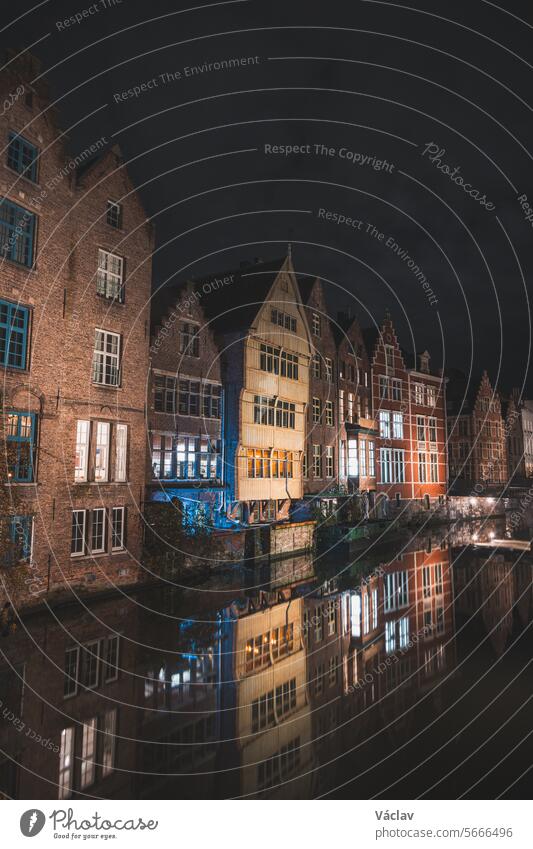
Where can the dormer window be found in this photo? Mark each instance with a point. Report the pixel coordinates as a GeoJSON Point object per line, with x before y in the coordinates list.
{"type": "Point", "coordinates": [114, 214]}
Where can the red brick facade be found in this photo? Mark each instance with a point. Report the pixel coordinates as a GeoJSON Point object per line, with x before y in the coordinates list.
{"type": "Point", "coordinates": [84, 357]}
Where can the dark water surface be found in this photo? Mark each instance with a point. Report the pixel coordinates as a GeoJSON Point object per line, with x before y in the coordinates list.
{"type": "Point", "coordinates": [404, 673]}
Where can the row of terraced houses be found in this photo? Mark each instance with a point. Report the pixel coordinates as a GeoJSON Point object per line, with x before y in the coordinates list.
{"type": "Point", "coordinates": [235, 395]}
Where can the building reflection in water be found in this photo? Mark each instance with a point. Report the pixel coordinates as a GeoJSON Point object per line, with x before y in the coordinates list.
{"type": "Point", "coordinates": [285, 689]}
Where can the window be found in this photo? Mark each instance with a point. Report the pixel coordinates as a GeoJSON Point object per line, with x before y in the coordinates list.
{"type": "Point", "coordinates": [353, 460]}
{"type": "Point", "coordinates": [161, 455]}
{"type": "Point", "coordinates": [189, 339]}
{"type": "Point", "coordinates": [263, 711]}
{"type": "Point", "coordinates": [371, 459]}
{"type": "Point", "coordinates": [356, 614]}
{"type": "Point", "coordinates": [316, 324]}
{"type": "Point", "coordinates": [211, 393]}
{"type": "Point", "coordinates": [366, 613]}
{"type": "Point", "coordinates": [329, 369]}
{"type": "Point", "coordinates": [66, 763]}
{"type": "Point", "coordinates": [189, 398]}
{"type": "Point", "coordinates": [383, 387]}
{"type": "Point", "coordinates": [111, 659]}
{"type": "Point", "coordinates": [384, 424]}
{"type": "Point", "coordinates": [397, 425]}
{"type": "Point", "coordinates": [121, 452]}
{"type": "Point", "coordinates": [432, 428]}
{"type": "Point", "coordinates": [330, 461]}
{"type": "Point", "coordinates": [426, 581]}
{"type": "Point", "coordinates": [419, 393]}
{"type": "Point", "coordinates": [106, 364]}
{"type": "Point", "coordinates": [330, 419]}
{"type": "Point", "coordinates": [331, 618]}
{"type": "Point", "coordinates": [349, 416]}
{"type": "Point", "coordinates": [316, 366]}
{"type": "Point", "coordinates": [258, 463]}
{"type": "Point", "coordinates": [319, 624]}
{"type": "Point", "coordinates": [88, 753]}
{"type": "Point", "coordinates": [434, 467]}
{"type": "Point", "coordinates": [304, 464]}
{"type": "Point", "coordinates": [17, 232]}
{"type": "Point", "coordinates": [90, 664]}
{"type": "Point", "coordinates": [117, 528]}
{"type": "Point", "coordinates": [389, 356]}
{"type": "Point", "coordinates": [399, 466]}
{"type": "Point", "coordinates": [385, 465]}
{"type": "Point", "coordinates": [396, 389]}
{"type": "Point", "coordinates": [77, 541]}
{"type": "Point", "coordinates": [420, 429]}
{"type": "Point", "coordinates": [341, 405]}
{"type": "Point", "coordinates": [374, 609]}
{"type": "Point", "coordinates": [164, 393]}
{"type": "Point", "coordinates": [362, 458]}
{"type": "Point", "coordinates": [285, 413]}
{"type": "Point", "coordinates": [82, 450]}
{"type": "Point", "coordinates": [316, 409]}
{"type": "Point", "coordinates": [14, 323]}
{"type": "Point", "coordinates": [438, 578]}
{"type": "Point", "coordinates": [108, 742]}
{"type": "Point", "coordinates": [275, 361]}
{"type": "Point", "coordinates": [282, 464]}
{"type": "Point", "coordinates": [422, 476]}
{"type": "Point", "coordinates": [333, 670]}
{"type": "Point", "coordinates": [101, 463]}
{"type": "Point", "coordinates": [317, 462]}
{"type": "Point", "coordinates": [20, 433]}
{"type": "Point", "coordinates": [70, 681]}
{"type": "Point", "coordinates": [22, 156]}
{"type": "Point", "coordinates": [283, 319]}
{"type": "Point", "coordinates": [431, 396]}
{"type": "Point", "coordinates": [114, 214]}
{"type": "Point", "coordinates": [110, 276]}
{"type": "Point", "coordinates": [396, 634]}
{"type": "Point", "coordinates": [396, 587]}
{"type": "Point", "coordinates": [98, 530]}
{"type": "Point", "coordinates": [19, 538]}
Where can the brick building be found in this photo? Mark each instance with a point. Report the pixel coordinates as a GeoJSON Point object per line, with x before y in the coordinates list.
{"type": "Point", "coordinates": [74, 294]}
{"type": "Point", "coordinates": [477, 442]}
{"type": "Point", "coordinates": [519, 432]}
{"type": "Point", "coordinates": [185, 408]}
{"type": "Point", "coordinates": [410, 411]}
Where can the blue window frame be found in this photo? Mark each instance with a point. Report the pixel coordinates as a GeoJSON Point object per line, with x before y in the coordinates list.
{"type": "Point", "coordinates": [17, 232]}
{"type": "Point", "coordinates": [20, 537]}
{"type": "Point", "coordinates": [14, 323]}
{"type": "Point", "coordinates": [22, 156]}
{"type": "Point", "coordinates": [21, 429]}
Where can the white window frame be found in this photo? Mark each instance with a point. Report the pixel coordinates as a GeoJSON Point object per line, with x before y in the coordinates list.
{"type": "Point", "coordinates": [104, 359]}
{"type": "Point", "coordinates": [110, 282]}
{"type": "Point", "coordinates": [66, 763]}
{"type": "Point", "coordinates": [122, 511]}
{"type": "Point", "coordinates": [121, 453]}
{"type": "Point", "coordinates": [81, 461]}
{"type": "Point", "coordinates": [101, 453]}
{"type": "Point", "coordinates": [83, 534]}
{"type": "Point", "coordinates": [397, 425]}
{"type": "Point", "coordinates": [88, 754]}
{"type": "Point", "coordinates": [103, 512]}
{"type": "Point", "coordinates": [109, 742]}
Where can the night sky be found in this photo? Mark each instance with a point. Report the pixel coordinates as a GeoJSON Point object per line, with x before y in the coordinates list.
{"type": "Point", "coordinates": [373, 84]}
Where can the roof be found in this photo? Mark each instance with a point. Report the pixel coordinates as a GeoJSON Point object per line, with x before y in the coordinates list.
{"type": "Point", "coordinates": [230, 299]}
